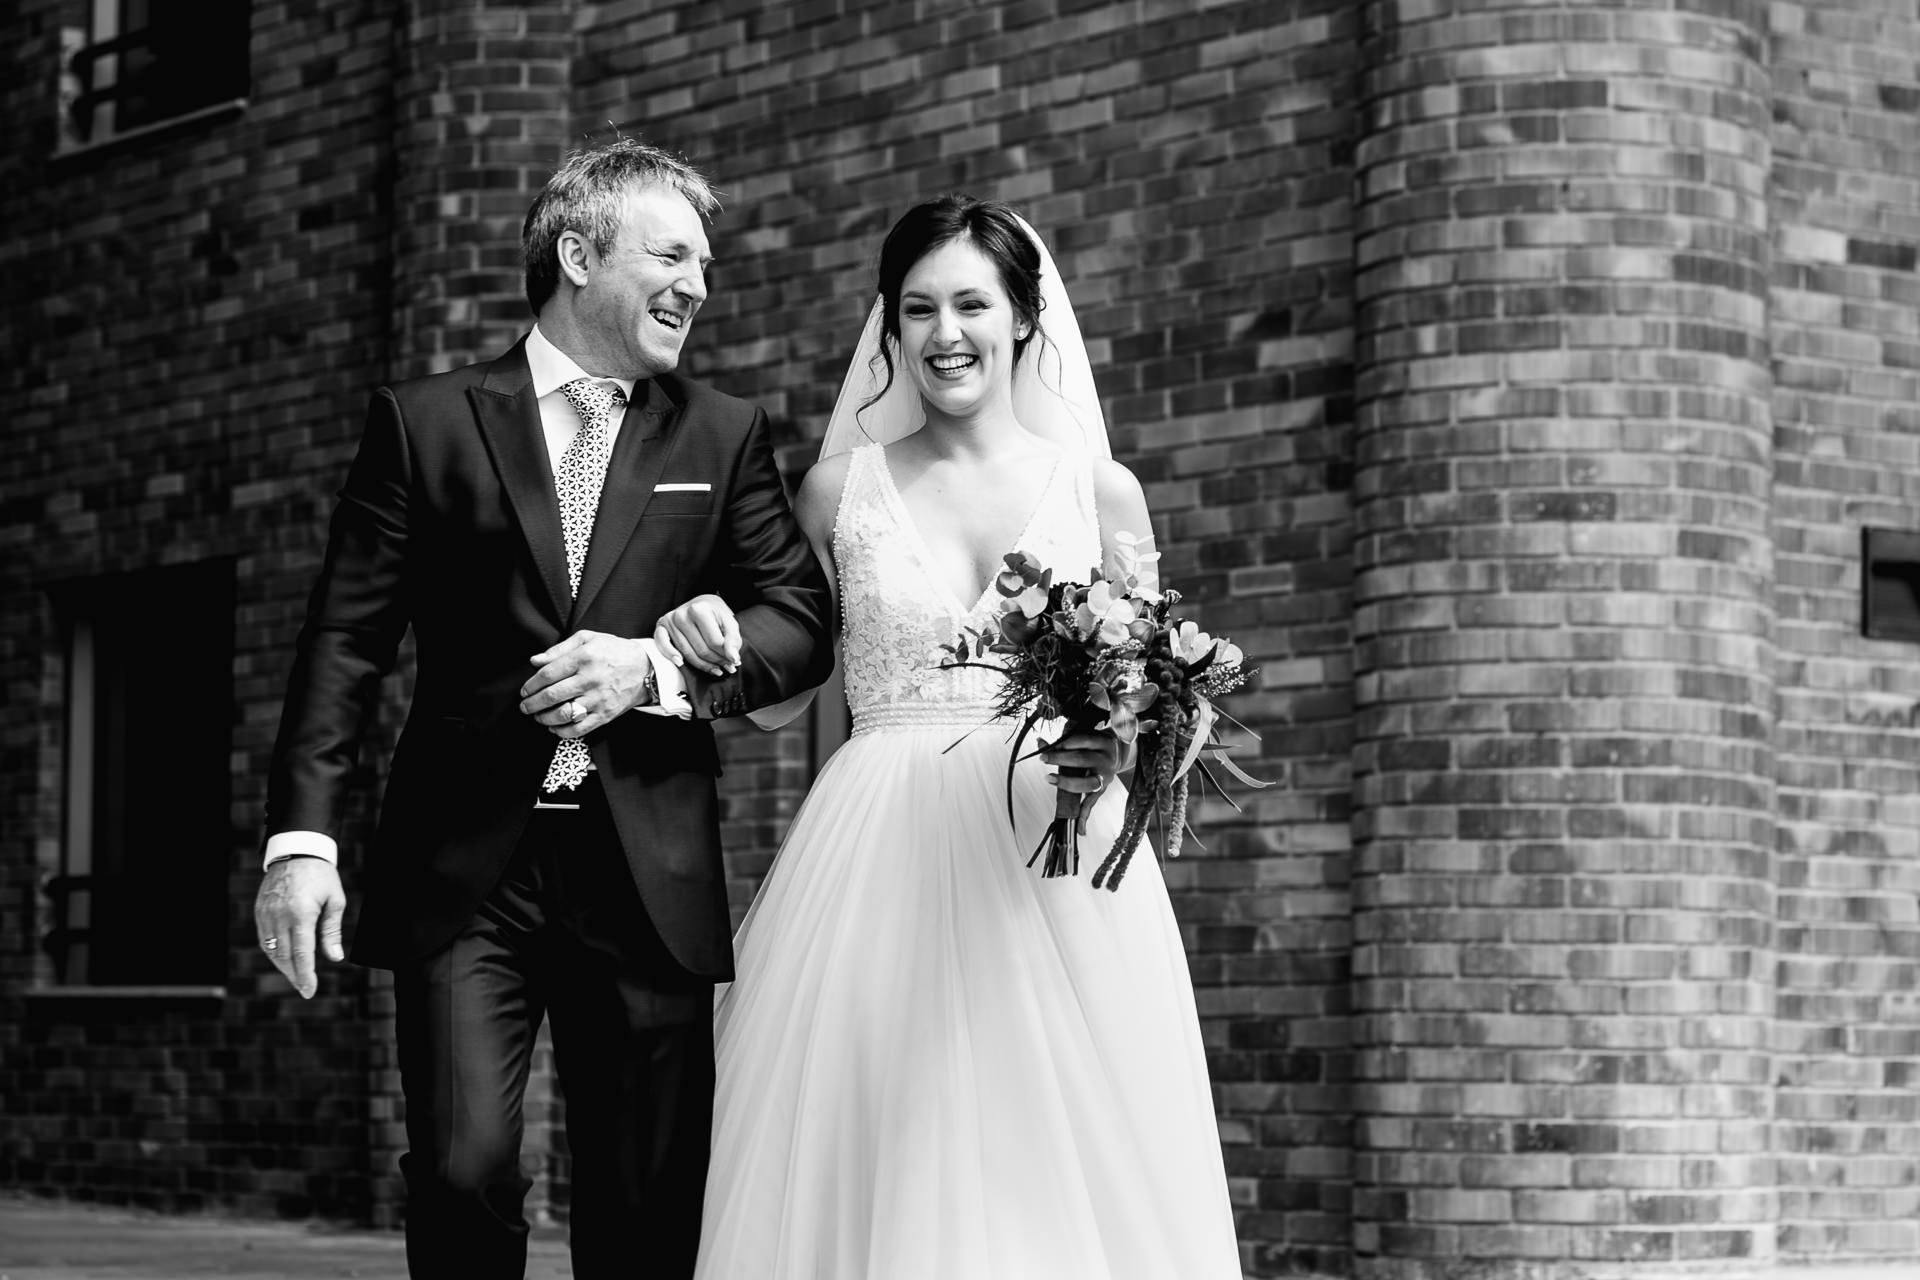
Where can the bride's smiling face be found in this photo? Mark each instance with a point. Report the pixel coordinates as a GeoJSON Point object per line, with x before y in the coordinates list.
{"type": "Point", "coordinates": [958, 330]}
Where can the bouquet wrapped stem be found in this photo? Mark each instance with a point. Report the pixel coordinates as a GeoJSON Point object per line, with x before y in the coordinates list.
{"type": "Point", "coordinates": [1061, 844]}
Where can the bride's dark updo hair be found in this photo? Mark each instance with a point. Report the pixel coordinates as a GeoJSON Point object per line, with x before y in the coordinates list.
{"type": "Point", "coordinates": [988, 226]}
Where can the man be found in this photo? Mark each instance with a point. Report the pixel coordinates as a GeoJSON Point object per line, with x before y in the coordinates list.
{"type": "Point", "coordinates": [540, 850]}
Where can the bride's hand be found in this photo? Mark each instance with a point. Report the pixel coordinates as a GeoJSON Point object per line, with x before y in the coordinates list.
{"type": "Point", "coordinates": [701, 631]}
{"type": "Point", "coordinates": [1100, 753]}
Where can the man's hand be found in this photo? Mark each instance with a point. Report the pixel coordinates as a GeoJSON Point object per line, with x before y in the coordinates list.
{"type": "Point", "coordinates": [701, 631]}
{"type": "Point", "coordinates": [1100, 753]}
{"type": "Point", "coordinates": [298, 894]}
{"type": "Point", "coordinates": [587, 680]}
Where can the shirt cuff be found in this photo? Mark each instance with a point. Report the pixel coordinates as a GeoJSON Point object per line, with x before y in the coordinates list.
{"type": "Point", "coordinates": [301, 844]}
{"type": "Point", "coordinates": [671, 685]}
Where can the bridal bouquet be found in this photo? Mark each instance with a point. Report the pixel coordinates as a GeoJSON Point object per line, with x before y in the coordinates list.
{"type": "Point", "coordinates": [1107, 654]}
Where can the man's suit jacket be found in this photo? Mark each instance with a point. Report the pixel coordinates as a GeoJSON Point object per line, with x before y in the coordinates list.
{"type": "Point", "coordinates": [449, 524]}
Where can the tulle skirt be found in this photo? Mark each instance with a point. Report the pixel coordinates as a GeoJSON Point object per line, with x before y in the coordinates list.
{"type": "Point", "coordinates": [934, 1064]}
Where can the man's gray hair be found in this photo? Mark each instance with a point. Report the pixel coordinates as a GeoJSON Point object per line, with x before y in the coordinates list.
{"type": "Point", "coordinates": [588, 194]}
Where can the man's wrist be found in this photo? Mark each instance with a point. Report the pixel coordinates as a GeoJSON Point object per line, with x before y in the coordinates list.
{"type": "Point", "coordinates": [303, 844]}
{"type": "Point", "coordinates": [666, 685]}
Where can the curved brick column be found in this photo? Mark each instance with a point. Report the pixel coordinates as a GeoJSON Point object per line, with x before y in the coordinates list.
{"type": "Point", "coordinates": [481, 119]}
{"type": "Point", "coordinates": [1563, 904]}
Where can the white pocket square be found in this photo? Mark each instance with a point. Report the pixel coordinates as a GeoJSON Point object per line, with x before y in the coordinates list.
{"type": "Point", "coordinates": [700, 487]}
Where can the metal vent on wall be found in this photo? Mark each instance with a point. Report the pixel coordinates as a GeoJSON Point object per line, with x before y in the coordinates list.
{"type": "Point", "coordinates": [1890, 584]}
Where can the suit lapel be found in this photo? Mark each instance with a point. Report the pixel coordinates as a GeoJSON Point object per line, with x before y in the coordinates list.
{"type": "Point", "coordinates": [639, 456]}
{"type": "Point", "coordinates": [509, 418]}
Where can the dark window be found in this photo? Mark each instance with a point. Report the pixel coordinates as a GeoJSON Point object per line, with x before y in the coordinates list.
{"type": "Point", "coordinates": [141, 898]}
{"type": "Point", "coordinates": [1890, 584]}
{"type": "Point", "coordinates": [136, 64]}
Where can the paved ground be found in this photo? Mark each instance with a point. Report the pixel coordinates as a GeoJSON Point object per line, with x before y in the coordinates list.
{"type": "Point", "coordinates": [54, 1240]}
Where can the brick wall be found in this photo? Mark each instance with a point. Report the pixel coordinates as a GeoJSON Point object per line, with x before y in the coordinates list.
{"type": "Point", "coordinates": [1580, 924]}
{"type": "Point", "coordinates": [191, 324]}
{"type": "Point", "coordinates": [1846, 347]}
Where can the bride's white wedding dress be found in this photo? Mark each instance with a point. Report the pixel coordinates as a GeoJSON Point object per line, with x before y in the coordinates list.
{"type": "Point", "coordinates": [934, 1064]}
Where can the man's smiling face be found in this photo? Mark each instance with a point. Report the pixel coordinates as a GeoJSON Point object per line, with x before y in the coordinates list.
{"type": "Point", "coordinates": [639, 300]}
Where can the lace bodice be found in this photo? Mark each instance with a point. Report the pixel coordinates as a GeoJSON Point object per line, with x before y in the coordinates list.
{"type": "Point", "coordinates": [898, 611]}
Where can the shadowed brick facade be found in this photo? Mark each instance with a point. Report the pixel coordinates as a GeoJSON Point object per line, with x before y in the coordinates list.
{"type": "Point", "coordinates": [1512, 381]}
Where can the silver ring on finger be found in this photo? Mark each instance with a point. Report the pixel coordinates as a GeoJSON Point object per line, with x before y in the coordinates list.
{"type": "Point", "coordinates": [269, 944]}
{"type": "Point", "coordinates": [574, 709]}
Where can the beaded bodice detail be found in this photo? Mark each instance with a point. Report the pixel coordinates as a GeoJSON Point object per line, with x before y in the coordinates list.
{"type": "Point", "coordinates": [898, 611]}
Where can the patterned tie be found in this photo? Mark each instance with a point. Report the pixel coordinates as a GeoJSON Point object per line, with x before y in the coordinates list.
{"type": "Point", "coordinates": [582, 470]}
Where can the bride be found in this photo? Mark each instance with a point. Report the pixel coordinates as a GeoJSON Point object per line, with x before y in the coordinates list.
{"type": "Point", "coordinates": [934, 1064]}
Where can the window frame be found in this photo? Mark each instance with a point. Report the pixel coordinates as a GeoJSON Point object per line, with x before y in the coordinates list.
{"type": "Point", "coordinates": [102, 41]}
{"type": "Point", "coordinates": [85, 609]}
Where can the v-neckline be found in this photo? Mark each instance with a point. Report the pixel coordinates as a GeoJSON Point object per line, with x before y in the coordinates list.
{"type": "Point", "coordinates": [925, 553]}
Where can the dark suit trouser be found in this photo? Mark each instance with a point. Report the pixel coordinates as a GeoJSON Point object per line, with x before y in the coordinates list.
{"type": "Point", "coordinates": [563, 935]}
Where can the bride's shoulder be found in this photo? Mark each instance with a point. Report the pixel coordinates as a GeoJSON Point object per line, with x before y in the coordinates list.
{"type": "Point", "coordinates": [820, 490]}
{"type": "Point", "coordinates": [1110, 476]}
{"type": "Point", "coordinates": [828, 474]}
{"type": "Point", "coordinates": [1116, 490]}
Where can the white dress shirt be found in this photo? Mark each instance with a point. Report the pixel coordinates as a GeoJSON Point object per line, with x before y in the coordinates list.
{"type": "Point", "coordinates": [559, 422]}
